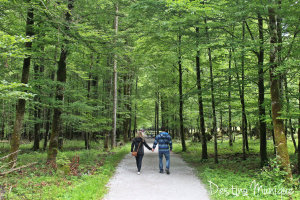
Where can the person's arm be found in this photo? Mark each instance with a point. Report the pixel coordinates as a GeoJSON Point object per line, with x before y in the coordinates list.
{"type": "Point", "coordinates": [170, 144]}
{"type": "Point", "coordinates": [132, 145]}
{"type": "Point", "coordinates": [146, 145]}
{"type": "Point", "coordinates": [155, 143]}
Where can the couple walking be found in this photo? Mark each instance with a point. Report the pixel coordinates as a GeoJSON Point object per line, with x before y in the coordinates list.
{"type": "Point", "coordinates": [164, 141]}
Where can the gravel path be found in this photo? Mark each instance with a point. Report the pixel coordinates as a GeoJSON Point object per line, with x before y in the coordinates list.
{"type": "Point", "coordinates": [181, 184]}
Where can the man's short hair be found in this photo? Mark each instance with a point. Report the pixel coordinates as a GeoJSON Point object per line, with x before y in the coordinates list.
{"type": "Point", "coordinates": [163, 128]}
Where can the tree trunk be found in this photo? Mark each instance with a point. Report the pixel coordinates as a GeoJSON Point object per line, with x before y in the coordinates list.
{"type": "Point", "coordinates": [241, 92]}
{"type": "Point", "coordinates": [20, 109]}
{"type": "Point", "coordinates": [261, 95]}
{"type": "Point", "coordinates": [200, 101]}
{"type": "Point", "coordinates": [289, 124]}
{"type": "Point", "coordinates": [157, 114]}
{"type": "Point", "coordinates": [48, 116]}
{"type": "Point", "coordinates": [280, 140]}
{"type": "Point", "coordinates": [164, 110]}
{"type": "Point", "coordinates": [156, 119]}
{"type": "Point", "coordinates": [37, 112]}
{"type": "Point", "coordinates": [181, 96]}
{"type": "Point", "coordinates": [229, 101]}
{"type": "Point", "coordinates": [115, 78]}
{"type": "Point", "coordinates": [135, 107]}
{"type": "Point", "coordinates": [2, 135]}
{"type": "Point", "coordinates": [299, 130]}
{"type": "Point", "coordinates": [87, 133]}
{"type": "Point", "coordinates": [61, 78]}
{"type": "Point", "coordinates": [126, 122]}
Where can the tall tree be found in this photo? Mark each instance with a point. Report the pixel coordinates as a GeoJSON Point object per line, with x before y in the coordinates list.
{"type": "Point", "coordinates": [20, 109]}
{"type": "Point", "coordinates": [182, 135]}
{"type": "Point", "coordinates": [61, 77]}
{"type": "Point", "coordinates": [200, 100]}
{"type": "Point", "coordinates": [115, 82]}
{"type": "Point", "coordinates": [261, 94]}
{"type": "Point", "coordinates": [278, 125]}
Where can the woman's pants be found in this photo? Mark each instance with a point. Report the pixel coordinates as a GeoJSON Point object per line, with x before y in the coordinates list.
{"type": "Point", "coordinates": [139, 159]}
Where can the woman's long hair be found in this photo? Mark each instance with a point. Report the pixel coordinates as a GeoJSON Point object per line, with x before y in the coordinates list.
{"type": "Point", "coordinates": [140, 134]}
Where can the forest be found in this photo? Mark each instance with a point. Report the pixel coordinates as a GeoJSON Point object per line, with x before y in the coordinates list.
{"type": "Point", "coordinates": [79, 78]}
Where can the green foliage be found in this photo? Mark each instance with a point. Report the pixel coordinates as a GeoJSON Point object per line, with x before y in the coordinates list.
{"type": "Point", "coordinates": [10, 91]}
{"type": "Point", "coordinates": [232, 177]}
{"type": "Point", "coordinates": [40, 181]}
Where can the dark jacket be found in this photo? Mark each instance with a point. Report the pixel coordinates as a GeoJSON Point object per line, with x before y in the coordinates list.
{"type": "Point", "coordinates": [135, 143]}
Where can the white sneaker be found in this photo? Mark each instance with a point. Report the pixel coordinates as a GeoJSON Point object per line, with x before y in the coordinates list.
{"type": "Point", "coordinates": [139, 173]}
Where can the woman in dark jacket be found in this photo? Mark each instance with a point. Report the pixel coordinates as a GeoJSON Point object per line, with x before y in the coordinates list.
{"type": "Point", "coordinates": [139, 141]}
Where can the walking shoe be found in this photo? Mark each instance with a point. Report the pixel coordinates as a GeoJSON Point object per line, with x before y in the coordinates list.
{"type": "Point", "coordinates": [168, 171]}
{"type": "Point", "coordinates": [161, 171]}
{"type": "Point", "coordinates": [139, 173]}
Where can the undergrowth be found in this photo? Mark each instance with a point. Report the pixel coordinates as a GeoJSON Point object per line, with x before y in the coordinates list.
{"type": "Point", "coordinates": [235, 178]}
{"type": "Point", "coordinates": [79, 173]}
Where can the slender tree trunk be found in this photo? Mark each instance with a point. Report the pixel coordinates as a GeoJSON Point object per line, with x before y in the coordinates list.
{"type": "Point", "coordinates": [242, 97]}
{"type": "Point", "coordinates": [87, 133]}
{"type": "Point", "coordinates": [37, 113]}
{"type": "Point", "coordinates": [299, 130]}
{"type": "Point", "coordinates": [200, 101]}
{"type": "Point", "coordinates": [20, 109]}
{"type": "Point", "coordinates": [261, 95]}
{"type": "Point", "coordinates": [61, 78]}
{"type": "Point", "coordinates": [48, 116]}
{"type": "Point", "coordinates": [181, 96]}
{"type": "Point", "coordinates": [289, 124]}
{"type": "Point", "coordinates": [164, 110]}
{"type": "Point", "coordinates": [115, 78]}
{"type": "Point", "coordinates": [156, 119]}
{"type": "Point", "coordinates": [127, 108]}
{"type": "Point", "coordinates": [157, 114]}
{"type": "Point", "coordinates": [135, 107]}
{"type": "Point", "coordinates": [229, 100]}
{"type": "Point", "coordinates": [2, 135]}
{"type": "Point", "coordinates": [280, 139]}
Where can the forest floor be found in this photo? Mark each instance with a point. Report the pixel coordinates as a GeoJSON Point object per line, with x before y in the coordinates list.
{"type": "Point", "coordinates": [180, 184]}
{"type": "Point", "coordinates": [81, 174]}
{"type": "Point", "coordinates": [238, 179]}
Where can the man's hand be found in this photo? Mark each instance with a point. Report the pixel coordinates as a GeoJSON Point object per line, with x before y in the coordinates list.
{"type": "Point", "coordinates": [152, 150]}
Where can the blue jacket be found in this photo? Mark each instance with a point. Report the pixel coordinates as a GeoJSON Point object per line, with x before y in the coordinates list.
{"type": "Point", "coordinates": [164, 141]}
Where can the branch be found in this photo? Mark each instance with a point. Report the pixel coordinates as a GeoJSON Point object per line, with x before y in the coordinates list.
{"type": "Point", "coordinates": [16, 169]}
{"type": "Point", "coordinates": [248, 28]}
{"type": "Point", "coordinates": [291, 45]}
{"type": "Point", "coordinates": [9, 155]}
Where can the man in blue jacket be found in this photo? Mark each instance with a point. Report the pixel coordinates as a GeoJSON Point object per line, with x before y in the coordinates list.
{"type": "Point", "coordinates": [164, 141]}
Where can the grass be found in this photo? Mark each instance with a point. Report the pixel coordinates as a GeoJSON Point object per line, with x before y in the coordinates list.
{"type": "Point", "coordinates": [234, 178]}
{"type": "Point", "coordinates": [87, 181]}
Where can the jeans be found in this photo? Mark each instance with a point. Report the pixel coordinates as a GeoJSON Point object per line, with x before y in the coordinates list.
{"type": "Point", "coordinates": [167, 156]}
{"type": "Point", "coordinates": [139, 159]}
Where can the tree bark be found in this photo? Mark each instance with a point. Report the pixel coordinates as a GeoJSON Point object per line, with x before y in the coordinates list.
{"type": "Point", "coordinates": [261, 95]}
{"type": "Point", "coordinates": [181, 96]}
{"type": "Point", "coordinates": [157, 113]}
{"type": "Point", "coordinates": [135, 108]}
{"type": "Point", "coordinates": [280, 139]}
{"type": "Point", "coordinates": [2, 135]}
{"type": "Point", "coordinates": [48, 115]}
{"type": "Point", "coordinates": [200, 101]}
{"type": "Point", "coordinates": [229, 100]}
{"type": "Point", "coordinates": [164, 111]}
{"type": "Point", "coordinates": [299, 130]}
{"type": "Point", "coordinates": [20, 109]}
{"type": "Point", "coordinates": [115, 78]}
{"type": "Point", "coordinates": [37, 112]}
{"type": "Point", "coordinates": [61, 78]}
